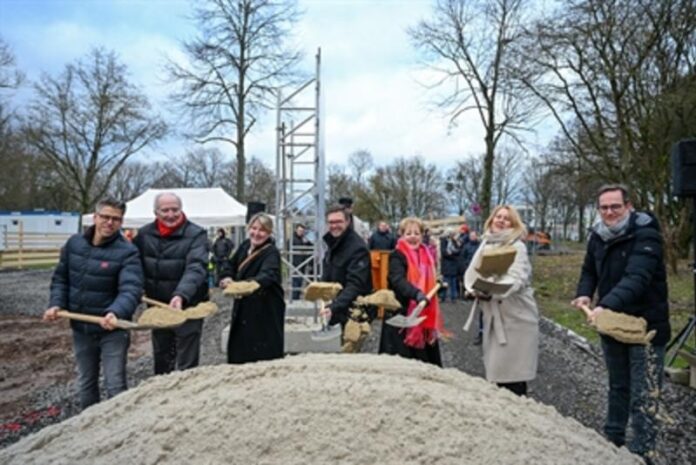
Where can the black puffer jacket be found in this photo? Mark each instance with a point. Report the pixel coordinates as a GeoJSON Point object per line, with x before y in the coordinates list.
{"type": "Point", "coordinates": [628, 273]}
{"type": "Point", "coordinates": [175, 265]}
{"type": "Point", "coordinates": [97, 279]}
{"type": "Point", "coordinates": [347, 261]}
{"type": "Point", "coordinates": [381, 241]}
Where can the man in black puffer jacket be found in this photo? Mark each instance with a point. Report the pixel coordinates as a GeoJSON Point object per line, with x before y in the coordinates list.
{"type": "Point", "coordinates": [347, 261]}
{"type": "Point", "coordinates": [174, 253]}
{"type": "Point", "coordinates": [98, 274]}
{"type": "Point", "coordinates": [624, 264]}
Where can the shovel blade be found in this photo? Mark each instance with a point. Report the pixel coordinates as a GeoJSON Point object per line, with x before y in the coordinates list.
{"type": "Point", "coordinates": [401, 321]}
{"type": "Point", "coordinates": [328, 334]}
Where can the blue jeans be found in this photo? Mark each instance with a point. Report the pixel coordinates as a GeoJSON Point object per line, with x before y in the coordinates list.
{"type": "Point", "coordinates": [109, 348]}
{"type": "Point", "coordinates": [297, 287]}
{"type": "Point", "coordinates": [635, 371]}
{"type": "Point", "coordinates": [452, 283]}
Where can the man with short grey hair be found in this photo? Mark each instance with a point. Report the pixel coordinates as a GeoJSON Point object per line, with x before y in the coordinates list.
{"type": "Point", "coordinates": [174, 254]}
{"type": "Point", "coordinates": [624, 266]}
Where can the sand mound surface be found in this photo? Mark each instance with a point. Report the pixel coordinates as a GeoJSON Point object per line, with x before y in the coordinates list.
{"type": "Point", "coordinates": [316, 409]}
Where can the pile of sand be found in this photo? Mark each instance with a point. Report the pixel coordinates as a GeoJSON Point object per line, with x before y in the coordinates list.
{"type": "Point", "coordinates": [315, 409]}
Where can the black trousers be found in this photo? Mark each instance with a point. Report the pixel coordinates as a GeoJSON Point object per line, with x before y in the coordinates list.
{"type": "Point", "coordinates": [177, 349]}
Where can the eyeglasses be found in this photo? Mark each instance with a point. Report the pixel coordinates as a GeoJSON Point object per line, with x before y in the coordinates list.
{"type": "Point", "coordinates": [613, 207]}
{"type": "Point", "coordinates": [107, 218]}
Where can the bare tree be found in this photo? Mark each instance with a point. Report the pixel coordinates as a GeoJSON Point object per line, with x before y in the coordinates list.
{"type": "Point", "coordinates": [360, 163]}
{"type": "Point", "coordinates": [240, 56]}
{"type": "Point", "coordinates": [87, 122]}
{"type": "Point", "coordinates": [338, 182]}
{"type": "Point", "coordinates": [468, 44]}
{"type": "Point", "coordinates": [259, 181]}
{"type": "Point", "coordinates": [463, 183]}
{"type": "Point", "coordinates": [406, 187]}
{"type": "Point", "coordinates": [132, 179]}
{"type": "Point", "coordinates": [10, 76]}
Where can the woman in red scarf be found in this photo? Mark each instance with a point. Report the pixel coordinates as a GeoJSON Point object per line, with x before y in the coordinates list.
{"type": "Point", "coordinates": [411, 276]}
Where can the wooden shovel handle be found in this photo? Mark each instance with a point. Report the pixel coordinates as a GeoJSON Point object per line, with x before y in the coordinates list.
{"type": "Point", "coordinates": [586, 310]}
{"type": "Point", "coordinates": [79, 316]}
{"type": "Point", "coordinates": [434, 290]}
{"type": "Point", "coordinates": [157, 303]}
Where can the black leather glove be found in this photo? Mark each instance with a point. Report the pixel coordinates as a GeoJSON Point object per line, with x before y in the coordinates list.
{"type": "Point", "coordinates": [421, 297]}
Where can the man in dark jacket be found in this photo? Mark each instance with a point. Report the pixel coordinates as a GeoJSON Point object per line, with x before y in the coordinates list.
{"type": "Point", "coordinates": [222, 249]}
{"type": "Point", "coordinates": [347, 261]}
{"type": "Point", "coordinates": [301, 253]}
{"type": "Point", "coordinates": [98, 274]}
{"type": "Point", "coordinates": [382, 238]}
{"type": "Point", "coordinates": [624, 265]}
{"type": "Point", "coordinates": [174, 253]}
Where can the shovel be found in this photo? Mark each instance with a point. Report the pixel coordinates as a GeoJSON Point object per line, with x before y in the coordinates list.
{"type": "Point", "coordinates": [197, 312]}
{"type": "Point", "coordinates": [414, 319]}
{"type": "Point", "coordinates": [327, 332]}
{"type": "Point", "coordinates": [319, 293]}
{"type": "Point", "coordinates": [624, 328]}
{"type": "Point", "coordinates": [120, 324]}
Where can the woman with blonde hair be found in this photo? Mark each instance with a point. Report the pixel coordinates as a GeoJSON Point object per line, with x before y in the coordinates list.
{"type": "Point", "coordinates": [411, 276]}
{"type": "Point", "coordinates": [257, 327]}
{"type": "Point", "coordinates": [510, 320]}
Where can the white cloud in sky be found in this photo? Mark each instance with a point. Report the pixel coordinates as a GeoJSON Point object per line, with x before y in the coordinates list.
{"type": "Point", "coordinates": [369, 68]}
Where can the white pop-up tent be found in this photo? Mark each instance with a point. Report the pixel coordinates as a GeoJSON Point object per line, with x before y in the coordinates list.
{"type": "Point", "coordinates": [207, 207]}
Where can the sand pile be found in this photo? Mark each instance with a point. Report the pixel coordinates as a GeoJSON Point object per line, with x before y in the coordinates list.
{"type": "Point", "coordinates": [315, 409]}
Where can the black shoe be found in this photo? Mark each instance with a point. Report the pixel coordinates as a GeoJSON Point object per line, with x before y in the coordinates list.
{"type": "Point", "coordinates": [478, 340]}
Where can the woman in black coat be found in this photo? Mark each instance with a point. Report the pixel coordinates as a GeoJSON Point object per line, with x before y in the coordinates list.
{"type": "Point", "coordinates": [256, 330]}
{"type": "Point", "coordinates": [411, 275]}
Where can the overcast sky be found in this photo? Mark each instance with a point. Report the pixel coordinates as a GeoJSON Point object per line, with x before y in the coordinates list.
{"type": "Point", "coordinates": [370, 71]}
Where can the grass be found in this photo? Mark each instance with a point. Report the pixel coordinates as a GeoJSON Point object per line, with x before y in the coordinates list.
{"type": "Point", "coordinates": [556, 276]}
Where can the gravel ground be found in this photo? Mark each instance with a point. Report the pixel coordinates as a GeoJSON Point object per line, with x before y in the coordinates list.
{"type": "Point", "coordinates": [571, 375]}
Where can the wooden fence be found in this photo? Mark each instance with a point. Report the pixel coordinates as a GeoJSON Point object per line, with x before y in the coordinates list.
{"type": "Point", "coordinates": [23, 249]}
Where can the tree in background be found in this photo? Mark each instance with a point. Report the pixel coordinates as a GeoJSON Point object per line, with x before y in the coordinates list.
{"type": "Point", "coordinates": [614, 75]}
{"type": "Point", "coordinates": [87, 122]}
{"type": "Point", "coordinates": [239, 58]}
{"type": "Point", "coordinates": [467, 42]}
{"type": "Point", "coordinates": [406, 187]}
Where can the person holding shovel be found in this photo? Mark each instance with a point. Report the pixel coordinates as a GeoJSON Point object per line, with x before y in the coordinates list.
{"type": "Point", "coordinates": [411, 275]}
{"type": "Point", "coordinates": [510, 318]}
{"type": "Point", "coordinates": [624, 265]}
{"type": "Point", "coordinates": [347, 262]}
{"type": "Point", "coordinates": [174, 252]}
{"type": "Point", "coordinates": [98, 274]}
{"type": "Point", "coordinates": [258, 319]}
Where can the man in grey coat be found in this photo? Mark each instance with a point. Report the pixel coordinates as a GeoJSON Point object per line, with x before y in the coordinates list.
{"type": "Point", "coordinates": [174, 253]}
{"type": "Point", "coordinates": [98, 274]}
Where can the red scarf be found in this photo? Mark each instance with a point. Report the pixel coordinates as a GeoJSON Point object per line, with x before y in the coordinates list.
{"type": "Point", "coordinates": [421, 274]}
{"type": "Point", "coordinates": [166, 231]}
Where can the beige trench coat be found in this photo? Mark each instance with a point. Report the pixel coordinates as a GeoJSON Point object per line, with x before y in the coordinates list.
{"type": "Point", "coordinates": [510, 321]}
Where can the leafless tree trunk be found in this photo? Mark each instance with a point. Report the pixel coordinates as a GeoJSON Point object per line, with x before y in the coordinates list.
{"type": "Point", "coordinates": [468, 44]}
{"type": "Point", "coordinates": [234, 67]}
{"type": "Point", "coordinates": [87, 122]}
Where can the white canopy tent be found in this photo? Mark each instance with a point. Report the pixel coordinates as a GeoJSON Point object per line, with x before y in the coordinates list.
{"type": "Point", "coordinates": [207, 207]}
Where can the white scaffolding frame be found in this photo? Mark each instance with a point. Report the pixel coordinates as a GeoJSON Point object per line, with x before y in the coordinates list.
{"type": "Point", "coordinates": [300, 179]}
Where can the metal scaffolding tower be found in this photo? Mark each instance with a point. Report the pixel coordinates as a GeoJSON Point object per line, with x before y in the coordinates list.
{"type": "Point", "coordinates": [300, 185]}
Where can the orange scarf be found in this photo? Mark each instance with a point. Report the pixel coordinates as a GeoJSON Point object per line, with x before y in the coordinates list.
{"type": "Point", "coordinates": [421, 274]}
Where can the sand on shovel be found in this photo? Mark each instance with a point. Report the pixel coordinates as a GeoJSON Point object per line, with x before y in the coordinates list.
{"type": "Point", "coordinates": [318, 409]}
{"type": "Point", "coordinates": [161, 317]}
{"type": "Point", "coordinates": [202, 310]}
{"type": "Point", "coordinates": [624, 328]}
{"type": "Point", "coordinates": [381, 298]}
{"type": "Point", "coordinates": [241, 288]}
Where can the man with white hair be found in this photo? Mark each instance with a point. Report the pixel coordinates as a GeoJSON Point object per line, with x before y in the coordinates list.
{"type": "Point", "coordinates": [174, 253]}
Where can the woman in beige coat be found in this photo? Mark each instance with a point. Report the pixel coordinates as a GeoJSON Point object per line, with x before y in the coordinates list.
{"type": "Point", "coordinates": [511, 319]}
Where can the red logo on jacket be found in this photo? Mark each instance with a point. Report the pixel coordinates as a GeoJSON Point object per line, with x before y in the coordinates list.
{"type": "Point", "coordinates": [104, 265]}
